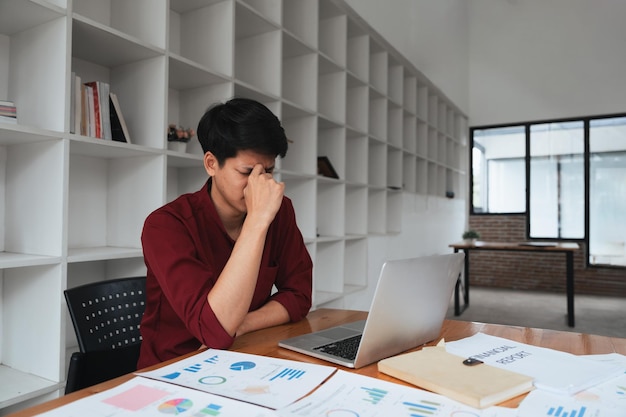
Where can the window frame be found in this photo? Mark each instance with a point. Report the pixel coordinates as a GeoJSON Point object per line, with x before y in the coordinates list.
{"type": "Point", "coordinates": [586, 120]}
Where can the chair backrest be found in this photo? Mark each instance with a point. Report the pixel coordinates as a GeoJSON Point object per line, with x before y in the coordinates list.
{"type": "Point", "coordinates": [107, 315]}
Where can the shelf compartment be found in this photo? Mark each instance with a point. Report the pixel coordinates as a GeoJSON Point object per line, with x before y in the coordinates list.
{"type": "Point", "coordinates": [378, 67]}
{"type": "Point", "coordinates": [24, 386]}
{"type": "Point", "coordinates": [356, 153]}
{"type": "Point", "coordinates": [301, 128]}
{"type": "Point", "coordinates": [433, 141]}
{"type": "Point", "coordinates": [329, 259]}
{"type": "Point", "coordinates": [394, 169]}
{"type": "Point", "coordinates": [357, 113]}
{"type": "Point", "coordinates": [330, 206]}
{"type": "Point", "coordinates": [394, 212]}
{"type": "Point", "coordinates": [331, 91]}
{"type": "Point", "coordinates": [101, 215]}
{"type": "Point", "coordinates": [355, 264]}
{"type": "Point", "coordinates": [377, 211]}
{"type": "Point", "coordinates": [422, 139]}
{"type": "Point", "coordinates": [38, 51]}
{"type": "Point", "coordinates": [433, 172]}
{"type": "Point", "coordinates": [377, 164]}
{"type": "Point", "coordinates": [395, 82]}
{"type": "Point", "coordinates": [377, 116]}
{"type": "Point", "coordinates": [442, 143]}
{"type": "Point", "coordinates": [132, 74]}
{"type": "Point", "coordinates": [32, 166]}
{"type": "Point", "coordinates": [203, 34]}
{"type": "Point", "coordinates": [433, 110]}
{"type": "Point", "coordinates": [410, 93]}
{"type": "Point", "coordinates": [442, 117]}
{"type": "Point", "coordinates": [21, 350]}
{"type": "Point", "coordinates": [409, 173]}
{"type": "Point", "coordinates": [299, 19]}
{"type": "Point", "coordinates": [395, 123]}
{"type": "Point", "coordinates": [184, 179]}
{"type": "Point", "coordinates": [409, 132]}
{"type": "Point", "coordinates": [333, 27]}
{"type": "Point", "coordinates": [186, 106]}
{"type": "Point", "coordinates": [422, 102]}
{"type": "Point", "coordinates": [332, 144]}
{"type": "Point", "coordinates": [257, 50]}
{"type": "Point", "coordinates": [358, 52]}
{"type": "Point", "coordinates": [302, 192]}
{"type": "Point", "coordinates": [422, 172]}
{"type": "Point", "coordinates": [299, 73]}
{"type": "Point", "coordinates": [142, 19]}
{"type": "Point", "coordinates": [356, 210]}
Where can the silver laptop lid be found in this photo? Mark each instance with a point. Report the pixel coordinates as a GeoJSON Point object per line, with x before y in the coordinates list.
{"type": "Point", "coordinates": [409, 305]}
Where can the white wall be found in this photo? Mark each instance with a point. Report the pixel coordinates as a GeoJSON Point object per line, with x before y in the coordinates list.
{"type": "Point", "coordinates": [537, 59]}
{"type": "Point", "coordinates": [433, 36]}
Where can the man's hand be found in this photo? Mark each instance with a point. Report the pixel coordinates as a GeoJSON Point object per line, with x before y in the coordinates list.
{"type": "Point", "coordinates": [263, 196]}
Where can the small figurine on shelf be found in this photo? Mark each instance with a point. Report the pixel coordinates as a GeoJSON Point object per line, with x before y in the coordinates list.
{"type": "Point", "coordinates": [177, 137]}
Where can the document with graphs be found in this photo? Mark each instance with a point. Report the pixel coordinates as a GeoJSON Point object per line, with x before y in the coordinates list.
{"type": "Point", "coordinates": [261, 380]}
{"type": "Point", "coordinates": [553, 370]}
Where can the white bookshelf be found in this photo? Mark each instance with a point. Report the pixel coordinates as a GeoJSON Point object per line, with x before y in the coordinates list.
{"type": "Point", "coordinates": [72, 207]}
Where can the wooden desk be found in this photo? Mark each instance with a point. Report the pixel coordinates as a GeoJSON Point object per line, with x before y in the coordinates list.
{"type": "Point", "coordinates": [567, 248]}
{"type": "Point", "coordinates": [264, 342]}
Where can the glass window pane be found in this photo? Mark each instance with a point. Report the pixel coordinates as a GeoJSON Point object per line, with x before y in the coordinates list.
{"type": "Point", "coordinates": [607, 191]}
{"type": "Point", "coordinates": [498, 171]}
{"type": "Point", "coordinates": [557, 182]}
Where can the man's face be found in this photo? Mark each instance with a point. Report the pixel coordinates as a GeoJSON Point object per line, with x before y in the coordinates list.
{"type": "Point", "coordinates": [231, 179]}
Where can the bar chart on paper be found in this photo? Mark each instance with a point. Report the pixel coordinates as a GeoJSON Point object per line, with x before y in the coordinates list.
{"type": "Point", "coordinates": [374, 395]}
{"type": "Point", "coordinates": [561, 411]}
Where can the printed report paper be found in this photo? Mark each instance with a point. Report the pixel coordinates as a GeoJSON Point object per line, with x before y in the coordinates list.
{"type": "Point", "coordinates": [143, 397]}
{"type": "Point", "coordinates": [553, 370]}
{"type": "Point", "coordinates": [261, 380]}
{"type": "Point", "coordinates": [543, 403]}
{"type": "Point", "coordinates": [348, 394]}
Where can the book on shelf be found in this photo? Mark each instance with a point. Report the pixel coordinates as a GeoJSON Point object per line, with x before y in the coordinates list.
{"type": "Point", "coordinates": [91, 112]}
{"type": "Point", "coordinates": [8, 119]}
{"type": "Point", "coordinates": [101, 109]}
{"type": "Point", "coordinates": [8, 112]}
{"type": "Point", "coordinates": [96, 112]}
{"type": "Point", "coordinates": [479, 385]}
{"type": "Point", "coordinates": [119, 129]}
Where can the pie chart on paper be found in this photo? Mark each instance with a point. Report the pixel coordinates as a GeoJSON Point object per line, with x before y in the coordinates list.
{"type": "Point", "coordinates": [175, 406]}
{"type": "Point", "coordinates": [242, 366]}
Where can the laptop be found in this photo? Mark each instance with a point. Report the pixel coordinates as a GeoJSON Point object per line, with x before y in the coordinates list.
{"type": "Point", "coordinates": [409, 305]}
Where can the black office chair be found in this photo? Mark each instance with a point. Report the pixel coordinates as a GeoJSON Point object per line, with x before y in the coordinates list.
{"type": "Point", "coordinates": [106, 316]}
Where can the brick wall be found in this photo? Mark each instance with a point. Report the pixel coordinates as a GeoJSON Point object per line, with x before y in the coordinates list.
{"type": "Point", "coordinates": [534, 271]}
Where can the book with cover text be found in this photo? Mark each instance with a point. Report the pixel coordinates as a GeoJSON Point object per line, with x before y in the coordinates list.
{"type": "Point", "coordinates": [436, 370]}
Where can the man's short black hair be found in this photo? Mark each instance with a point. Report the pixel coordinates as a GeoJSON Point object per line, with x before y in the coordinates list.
{"type": "Point", "coordinates": [241, 124]}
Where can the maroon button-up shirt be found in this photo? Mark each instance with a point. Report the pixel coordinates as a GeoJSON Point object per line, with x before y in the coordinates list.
{"type": "Point", "coordinates": [185, 248]}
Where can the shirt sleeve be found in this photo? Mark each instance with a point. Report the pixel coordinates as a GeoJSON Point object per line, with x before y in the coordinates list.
{"type": "Point", "coordinates": [184, 280]}
{"type": "Point", "coordinates": [295, 276]}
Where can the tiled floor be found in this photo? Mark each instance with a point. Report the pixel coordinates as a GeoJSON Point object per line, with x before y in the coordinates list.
{"type": "Point", "coordinates": [597, 315]}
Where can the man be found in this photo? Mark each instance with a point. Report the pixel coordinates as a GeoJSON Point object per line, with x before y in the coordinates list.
{"type": "Point", "coordinates": [213, 256]}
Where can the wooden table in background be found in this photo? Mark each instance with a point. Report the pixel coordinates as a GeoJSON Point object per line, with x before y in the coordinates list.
{"type": "Point", "coordinates": [265, 342]}
{"type": "Point", "coordinates": [567, 248]}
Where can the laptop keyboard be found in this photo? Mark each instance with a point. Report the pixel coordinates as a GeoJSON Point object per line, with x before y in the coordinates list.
{"type": "Point", "coordinates": [345, 348]}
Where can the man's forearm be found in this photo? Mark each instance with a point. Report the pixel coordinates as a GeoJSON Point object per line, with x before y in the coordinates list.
{"type": "Point", "coordinates": [271, 314]}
